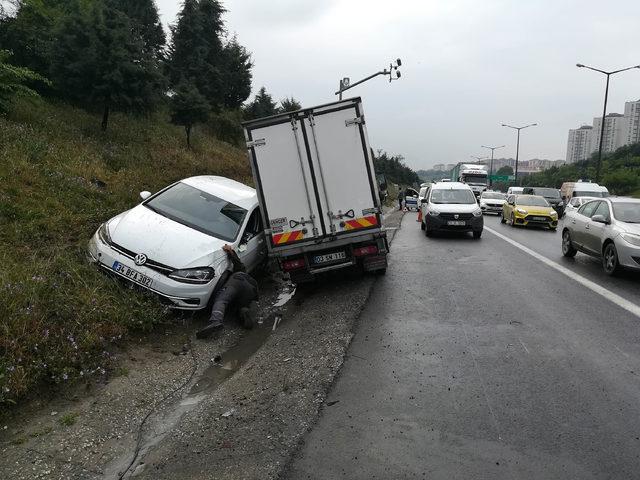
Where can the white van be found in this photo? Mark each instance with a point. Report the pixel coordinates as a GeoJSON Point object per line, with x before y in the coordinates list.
{"type": "Point", "coordinates": [515, 190]}
{"type": "Point", "coordinates": [580, 188]}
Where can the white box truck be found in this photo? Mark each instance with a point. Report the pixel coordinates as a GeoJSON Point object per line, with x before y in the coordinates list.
{"type": "Point", "coordinates": [317, 189]}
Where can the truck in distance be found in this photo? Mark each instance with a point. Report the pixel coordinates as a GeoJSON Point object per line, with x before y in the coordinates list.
{"type": "Point", "coordinates": [473, 174]}
{"type": "Point", "coordinates": [317, 189]}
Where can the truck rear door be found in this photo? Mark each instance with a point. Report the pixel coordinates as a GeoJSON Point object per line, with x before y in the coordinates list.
{"type": "Point", "coordinates": [340, 151]}
{"type": "Point", "coordinates": [285, 181]}
{"type": "Point", "coordinates": [314, 173]}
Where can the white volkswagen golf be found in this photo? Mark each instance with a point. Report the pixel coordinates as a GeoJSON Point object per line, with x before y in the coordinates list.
{"type": "Point", "coordinates": [171, 244]}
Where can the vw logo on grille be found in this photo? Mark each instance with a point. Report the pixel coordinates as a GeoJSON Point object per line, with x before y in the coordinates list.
{"type": "Point", "coordinates": [140, 259]}
{"type": "Point", "coordinates": [456, 216]}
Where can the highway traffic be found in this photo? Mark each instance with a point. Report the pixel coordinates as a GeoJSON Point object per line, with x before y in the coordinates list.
{"type": "Point", "coordinates": [484, 359]}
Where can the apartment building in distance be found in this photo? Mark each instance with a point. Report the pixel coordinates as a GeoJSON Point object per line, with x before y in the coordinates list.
{"type": "Point", "coordinates": [579, 144]}
{"type": "Point", "coordinates": [619, 130]}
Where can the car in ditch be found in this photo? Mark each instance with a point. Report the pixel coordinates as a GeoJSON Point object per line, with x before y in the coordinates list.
{"type": "Point", "coordinates": [529, 211]}
{"type": "Point", "coordinates": [171, 243]}
{"type": "Point", "coordinates": [608, 229]}
{"type": "Point", "coordinates": [452, 207]}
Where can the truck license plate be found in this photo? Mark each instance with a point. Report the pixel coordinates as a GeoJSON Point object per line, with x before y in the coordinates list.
{"type": "Point", "coordinates": [329, 257]}
{"type": "Point", "coordinates": [132, 275]}
{"type": "Point", "coordinates": [456, 223]}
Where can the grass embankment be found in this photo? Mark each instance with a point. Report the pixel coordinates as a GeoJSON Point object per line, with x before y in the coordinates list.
{"type": "Point", "coordinates": [60, 177]}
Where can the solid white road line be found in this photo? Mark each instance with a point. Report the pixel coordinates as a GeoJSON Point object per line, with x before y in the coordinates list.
{"type": "Point", "coordinates": [594, 287]}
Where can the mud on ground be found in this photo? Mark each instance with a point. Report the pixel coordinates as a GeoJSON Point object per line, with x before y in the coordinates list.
{"type": "Point", "coordinates": [240, 416]}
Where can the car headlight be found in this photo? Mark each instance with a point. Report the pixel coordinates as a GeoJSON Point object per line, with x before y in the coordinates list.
{"type": "Point", "coordinates": [521, 211]}
{"type": "Point", "coordinates": [103, 233]}
{"type": "Point", "coordinates": [631, 238]}
{"type": "Point", "coordinates": [483, 203]}
{"type": "Point", "coordinates": [193, 275]}
{"type": "Point", "coordinates": [434, 213]}
{"type": "Point", "coordinates": [553, 213]}
{"type": "Point", "coordinates": [477, 213]}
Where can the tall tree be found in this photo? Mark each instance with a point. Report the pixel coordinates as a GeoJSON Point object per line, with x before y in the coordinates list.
{"type": "Point", "coordinates": [220, 70]}
{"type": "Point", "coordinates": [188, 107]}
{"type": "Point", "coordinates": [261, 106]}
{"type": "Point", "coordinates": [146, 24]}
{"type": "Point", "coordinates": [236, 74]}
{"type": "Point", "coordinates": [100, 63]}
{"type": "Point", "coordinates": [289, 105]}
{"type": "Point", "coordinates": [15, 81]}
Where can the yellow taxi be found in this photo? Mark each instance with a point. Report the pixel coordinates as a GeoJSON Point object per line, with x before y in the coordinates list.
{"type": "Point", "coordinates": [529, 210]}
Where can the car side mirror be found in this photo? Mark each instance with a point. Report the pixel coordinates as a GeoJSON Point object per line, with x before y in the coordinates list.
{"type": "Point", "coordinates": [423, 201]}
{"type": "Point", "coordinates": [242, 247]}
{"type": "Point", "coordinates": [600, 219]}
{"type": "Point", "coordinates": [144, 195]}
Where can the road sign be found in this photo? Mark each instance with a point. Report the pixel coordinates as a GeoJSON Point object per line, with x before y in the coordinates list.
{"type": "Point", "coordinates": [502, 178]}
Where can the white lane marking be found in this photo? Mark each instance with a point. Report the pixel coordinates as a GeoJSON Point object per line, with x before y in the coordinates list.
{"type": "Point", "coordinates": [594, 287]}
{"type": "Point", "coordinates": [524, 346]}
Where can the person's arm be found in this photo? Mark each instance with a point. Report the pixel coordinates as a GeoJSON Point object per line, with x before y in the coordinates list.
{"type": "Point", "coordinates": [238, 266]}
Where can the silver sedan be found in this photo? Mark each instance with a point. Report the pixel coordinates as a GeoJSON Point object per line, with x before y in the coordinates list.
{"type": "Point", "coordinates": [607, 228]}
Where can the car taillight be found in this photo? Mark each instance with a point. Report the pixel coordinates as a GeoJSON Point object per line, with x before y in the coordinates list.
{"type": "Point", "coordinates": [362, 251]}
{"type": "Point", "coordinates": [293, 264]}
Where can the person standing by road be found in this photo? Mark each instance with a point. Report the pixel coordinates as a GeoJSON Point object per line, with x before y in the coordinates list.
{"type": "Point", "coordinates": [240, 292]}
{"type": "Point", "coordinates": [400, 197]}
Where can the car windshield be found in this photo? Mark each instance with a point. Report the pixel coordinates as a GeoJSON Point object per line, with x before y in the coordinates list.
{"type": "Point", "coordinates": [199, 210]}
{"type": "Point", "coordinates": [531, 201]}
{"type": "Point", "coordinates": [548, 192]}
{"type": "Point", "coordinates": [482, 179]}
{"type": "Point", "coordinates": [453, 196]}
{"type": "Point", "coordinates": [578, 193]}
{"type": "Point", "coordinates": [494, 196]}
{"type": "Point", "coordinates": [628, 212]}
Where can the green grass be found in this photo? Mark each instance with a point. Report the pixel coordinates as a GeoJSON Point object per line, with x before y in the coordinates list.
{"type": "Point", "coordinates": [59, 316]}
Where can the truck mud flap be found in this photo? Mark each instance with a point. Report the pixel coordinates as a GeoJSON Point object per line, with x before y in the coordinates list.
{"type": "Point", "coordinates": [374, 262]}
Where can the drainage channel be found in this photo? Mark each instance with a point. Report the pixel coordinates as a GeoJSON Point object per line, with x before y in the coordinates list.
{"type": "Point", "coordinates": [222, 368]}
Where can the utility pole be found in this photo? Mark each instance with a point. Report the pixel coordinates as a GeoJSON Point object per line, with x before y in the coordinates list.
{"type": "Point", "coordinates": [345, 83]}
{"type": "Point", "coordinates": [604, 112]}
{"type": "Point", "coordinates": [491, 166]}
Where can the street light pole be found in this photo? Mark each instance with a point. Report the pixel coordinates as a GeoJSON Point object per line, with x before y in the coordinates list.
{"type": "Point", "coordinates": [518, 143]}
{"type": "Point", "coordinates": [604, 112]}
{"type": "Point", "coordinates": [491, 165]}
{"type": "Point", "coordinates": [345, 83]}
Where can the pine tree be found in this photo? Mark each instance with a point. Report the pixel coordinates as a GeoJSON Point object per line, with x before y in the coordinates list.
{"type": "Point", "coordinates": [261, 106]}
{"type": "Point", "coordinates": [146, 24]}
{"type": "Point", "coordinates": [237, 74]}
{"type": "Point", "coordinates": [289, 105]}
{"type": "Point", "coordinates": [188, 107]}
{"type": "Point", "coordinates": [100, 64]}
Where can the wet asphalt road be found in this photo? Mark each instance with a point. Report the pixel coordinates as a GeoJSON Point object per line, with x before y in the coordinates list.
{"type": "Point", "coordinates": [474, 360]}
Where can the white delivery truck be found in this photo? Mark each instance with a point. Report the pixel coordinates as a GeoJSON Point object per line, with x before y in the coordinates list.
{"type": "Point", "coordinates": [316, 185]}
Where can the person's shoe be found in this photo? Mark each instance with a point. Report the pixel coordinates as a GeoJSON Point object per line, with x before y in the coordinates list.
{"type": "Point", "coordinates": [248, 315]}
{"type": "Point", "coordinates": [207, 331]}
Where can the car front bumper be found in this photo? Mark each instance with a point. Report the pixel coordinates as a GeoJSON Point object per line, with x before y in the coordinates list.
{"type": "Point", "coordinates": [526, 222]}
{"type": "Point", "coordinates": [628, 254]}
{"type": "Point", "coordinates": [178, 295]}
{"type": "Point", "coordinates": [474, 224]}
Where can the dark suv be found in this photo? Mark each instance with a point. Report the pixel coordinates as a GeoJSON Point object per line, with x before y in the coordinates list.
{"type": "Point", "coordinates": [552, 195]}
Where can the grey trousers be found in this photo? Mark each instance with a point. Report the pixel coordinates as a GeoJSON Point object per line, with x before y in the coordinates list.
{"type": "Point", "coordinates": [239, 291]}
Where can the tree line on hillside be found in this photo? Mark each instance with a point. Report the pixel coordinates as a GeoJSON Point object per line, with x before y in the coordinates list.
{"type": "Point", "coordinates": [394, 169]}
{"type": "Point", "coordinates": [113, 55]}
{"type": "Point", "coordinates": [620, 172]}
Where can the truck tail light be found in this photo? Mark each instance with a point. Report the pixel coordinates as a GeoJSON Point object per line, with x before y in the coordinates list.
{"type": "Point", "coordinates": [364, 251]}
{"type": "Point", "coordinates": [289, 265]}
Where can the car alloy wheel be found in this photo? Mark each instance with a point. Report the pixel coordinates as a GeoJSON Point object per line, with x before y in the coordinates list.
{"type": "Point", "coordinates": [610, 260]}
{"type": "Point", "coordinates": [568, 249]}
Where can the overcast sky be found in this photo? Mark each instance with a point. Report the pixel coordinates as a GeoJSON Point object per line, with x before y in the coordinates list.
{"type": "Point", "coordinates": [468, 66]}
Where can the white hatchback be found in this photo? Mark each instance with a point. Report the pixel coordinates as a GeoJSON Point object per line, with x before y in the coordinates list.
{"type": "Point", "coordinates": [171, 244]}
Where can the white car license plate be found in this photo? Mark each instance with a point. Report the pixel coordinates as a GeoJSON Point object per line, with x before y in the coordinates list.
{"type": "Point", "coordinates": [539, 219]}
{"type": "Point", "coordinates": [132, 275]}
{"type": "Point", "coordinates": [456, 223]}
{"type": "Point", "coordinates": [329, 257]}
